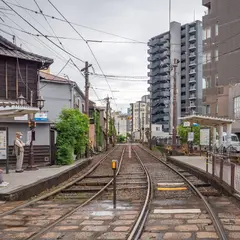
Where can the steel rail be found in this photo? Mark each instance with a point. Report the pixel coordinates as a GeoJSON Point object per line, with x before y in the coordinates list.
{"type": "Point", "coordinates": [44, 230]}
{"type": "Point", "coordinates": [56, 191]}
{"type": "Point", "coordinates": [217, 224]}
{"type": "Point", "coordinates": [139, 224]}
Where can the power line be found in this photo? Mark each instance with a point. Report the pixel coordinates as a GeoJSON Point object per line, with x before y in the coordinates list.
{"type": "Point", "coordinates": [48, 23]}
{"type": "Point", "coordinates": [55, 76]}
{"type": "Point", "coordinates": [87, 45]}
{"type": "Point", "coordinates": [118, 76]}
{"type": "Point", "coordinates": [71, 38]}
{"type": "Point", "coordinates": [76, 24]}
{"type": "Point", "coordinates": [41, 32]}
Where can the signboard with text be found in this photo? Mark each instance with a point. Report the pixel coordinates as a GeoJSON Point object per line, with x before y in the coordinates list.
{"type": "Point", "coordinates": [3, 144]}
{"type": "Point", "coordinates": [190, 136]}
{"type": "Point", "coordinates": [204, 137]}
{"type": "Point", "coordinates": [41, 116]}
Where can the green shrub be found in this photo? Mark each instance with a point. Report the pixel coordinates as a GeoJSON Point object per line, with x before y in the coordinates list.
{"type": "Point", "coordinates": [72, 137]}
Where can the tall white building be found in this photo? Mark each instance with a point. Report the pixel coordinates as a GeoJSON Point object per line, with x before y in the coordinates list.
{"type": "Point", "coordinates": [140, 119]}
{"type": "Point", "coordinates": [121, 123]}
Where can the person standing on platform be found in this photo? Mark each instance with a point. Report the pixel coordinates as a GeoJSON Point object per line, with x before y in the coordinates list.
{"type": "Point", "coordinates": [19, 151]}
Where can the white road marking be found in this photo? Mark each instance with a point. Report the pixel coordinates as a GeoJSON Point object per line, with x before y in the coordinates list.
{"type": "Point", "coordinates": [170, 211]}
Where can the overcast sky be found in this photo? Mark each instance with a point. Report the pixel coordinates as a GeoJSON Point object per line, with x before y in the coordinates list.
{"type": "Point", "coordinates": [135, 19]}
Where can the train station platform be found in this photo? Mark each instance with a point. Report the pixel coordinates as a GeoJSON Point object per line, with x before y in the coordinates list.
{"type": "Point", "coordinates": [230, 175]}
{"type": "Point", "coordinates": [22, 186]}
{"type": "Point", "coordinates": [195, 161]}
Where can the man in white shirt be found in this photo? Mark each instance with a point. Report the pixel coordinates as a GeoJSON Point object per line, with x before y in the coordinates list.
{"type": "Point", "coordinates": [19, 151]}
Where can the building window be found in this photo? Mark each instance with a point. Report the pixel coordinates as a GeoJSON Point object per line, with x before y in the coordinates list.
{"type": "Point", "coordinates": [237, 107]}
{"type": "Point", "coordinates": [208, 109]}
{"type": "Point", "coordinates": [204, 83]}
{"type": "Point", "coordinates": [206, 33]}
{"type": "Point", "coordinates": [217, 109]}
{"type": "Point", "coordinates": [158, 129]}
{"type": "Point", "coordinates": [204, 58]}
{"type": "Point", "coordinates": [216, 55]}
{"type": "Point", "coordinates": [216, 29]}
{"type": "Point", "coordinates": [216, 79]}
{"type": "Point", "coordinates": [208, 82]}
{"type": "Point", "coordinates": [208, 57]}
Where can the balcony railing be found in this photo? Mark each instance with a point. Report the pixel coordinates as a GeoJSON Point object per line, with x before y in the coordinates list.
{"type": "Point", "coordinates": [193, 88]}
{"type": "Point", "coordinates": [192, 71]}
{"type": "Point", "coordinates": [192, 46]}
{"type": "Point", "coordinates": [192, 30]}
{"type": "Point", "coordinates": [192, 38]}
{"type": "Point", "coordinates": [192, 80]}
{"type": "Point", "coordinates": [192, 55]}
{"type": "Point", "coordinates": [192, 63]}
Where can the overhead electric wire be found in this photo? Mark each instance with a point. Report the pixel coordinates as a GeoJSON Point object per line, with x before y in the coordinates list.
{"type": "Point", "coordinates": [38, 40]}
{"type": "Point", "coordinates": [76, 24]}
{"type": "Point", "coordinates": [41, 32]}
{"type": "Point", "coordinates": [87, 45]}
{"type": "Point", "coordinates": [57, 75]}
{"type": "Point", "coordinates": [48, 23]}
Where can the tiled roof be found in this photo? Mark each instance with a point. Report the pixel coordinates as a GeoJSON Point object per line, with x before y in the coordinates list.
{"type": "Point", "coordinates": [11, 50]}
{"type": "Point", "coordinates": [54, 78]}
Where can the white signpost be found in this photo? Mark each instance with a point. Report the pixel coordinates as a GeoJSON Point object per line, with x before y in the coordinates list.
{"type": "Point", "coordinates": [186, 124]}
{"type": "Point", "coordinates": [4, 146]}
{"type": "Point", "coordinates": [190, 136]}
{"type": "Point", "coordinates": [204, 137]}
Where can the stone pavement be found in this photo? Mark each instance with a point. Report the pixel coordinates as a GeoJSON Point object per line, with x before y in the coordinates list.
{"type": "Point", "coordinates": [28, 179]}
{"type": "Point", "coordinates": [171, 219]}
{"type": "Point", "coordinates": [98, 220]}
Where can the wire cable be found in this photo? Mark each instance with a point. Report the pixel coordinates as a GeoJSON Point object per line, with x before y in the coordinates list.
{"type": "Point", "coordinates": [41, 32]}
{"type": "Point", "coordinates": [76, 24]}
{"type": "Point", "coordinates": [55, 76]}
{"type": "Point", "coordinates": [87, 45]}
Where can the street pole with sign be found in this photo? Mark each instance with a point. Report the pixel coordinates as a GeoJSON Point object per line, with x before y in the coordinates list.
{"type": "Point", "coordinates": [114, 168]}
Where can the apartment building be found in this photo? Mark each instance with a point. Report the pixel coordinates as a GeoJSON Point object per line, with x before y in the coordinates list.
{"type": "Point", "coordinates": [121, 121]}
{"type": "Point", "coordinates": [140, 118]}
{"type": "Point", "coordinates": [184, 43]}
{"type": "Point", "coordinates": [221, 42]}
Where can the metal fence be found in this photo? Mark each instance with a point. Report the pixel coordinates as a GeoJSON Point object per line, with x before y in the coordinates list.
{"type": "Point", "coordinates": [224, 170]}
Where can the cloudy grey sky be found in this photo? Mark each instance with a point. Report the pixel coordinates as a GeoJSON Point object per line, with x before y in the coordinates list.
{"type": "Point", "coordinates": [135, 19]}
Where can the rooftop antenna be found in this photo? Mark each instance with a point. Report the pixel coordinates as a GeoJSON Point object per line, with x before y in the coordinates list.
{"type": "Point", "coordinates": [194, 15]}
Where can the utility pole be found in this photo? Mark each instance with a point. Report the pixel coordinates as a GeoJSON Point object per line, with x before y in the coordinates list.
{"type": "Point", "coordinates": [107, 116]}
{"type": "Point", "coordinates": [32, 126]}
{"type": "Point", "coordinates": [174, 137]}
{"type": "Point", "coordinates": [87, 86]}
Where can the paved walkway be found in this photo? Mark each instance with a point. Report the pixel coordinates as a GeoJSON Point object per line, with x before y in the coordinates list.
{"type": "Point", "coordinates": [27, 178]}
{"type": "Point", "coordinates": [195, 161]}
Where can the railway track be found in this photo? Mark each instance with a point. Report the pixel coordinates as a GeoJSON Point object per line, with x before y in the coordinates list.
{"type": "Point", "coordinates": [180, 207]}
{"type": "Point", "coordinates": [37, 216]}
{"type": "Point", "coordinates": [155, 200]}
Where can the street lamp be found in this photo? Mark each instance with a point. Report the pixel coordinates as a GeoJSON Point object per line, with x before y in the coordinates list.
{"type": "Point", "coordinates": [40, 102]}
{"type": "Point", "coordinates": [21, 100]}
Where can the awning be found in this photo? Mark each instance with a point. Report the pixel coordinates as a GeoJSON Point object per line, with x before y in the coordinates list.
{"type": "Point", "coordinates": [206, 120]}
{"type": "Point", "coordinates": [16, 110]}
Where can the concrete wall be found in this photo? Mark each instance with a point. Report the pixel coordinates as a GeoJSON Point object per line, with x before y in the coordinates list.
{"type": "Point", "coordinates": [42, 132]}
{"type": "Point", "coordinates": [234, 91]}
{"type": "Point", "coordinates": [57, 96]}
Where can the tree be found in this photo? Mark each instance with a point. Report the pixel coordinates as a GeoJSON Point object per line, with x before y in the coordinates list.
{"type": "Point", "coordinates": [121, 138]}
{"type": "Point", "coordinates": [72, 127]}
{"type": "Point", "coordinates": [183, 134]}
{"type": "Point", "coordinates": [98, 129]}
